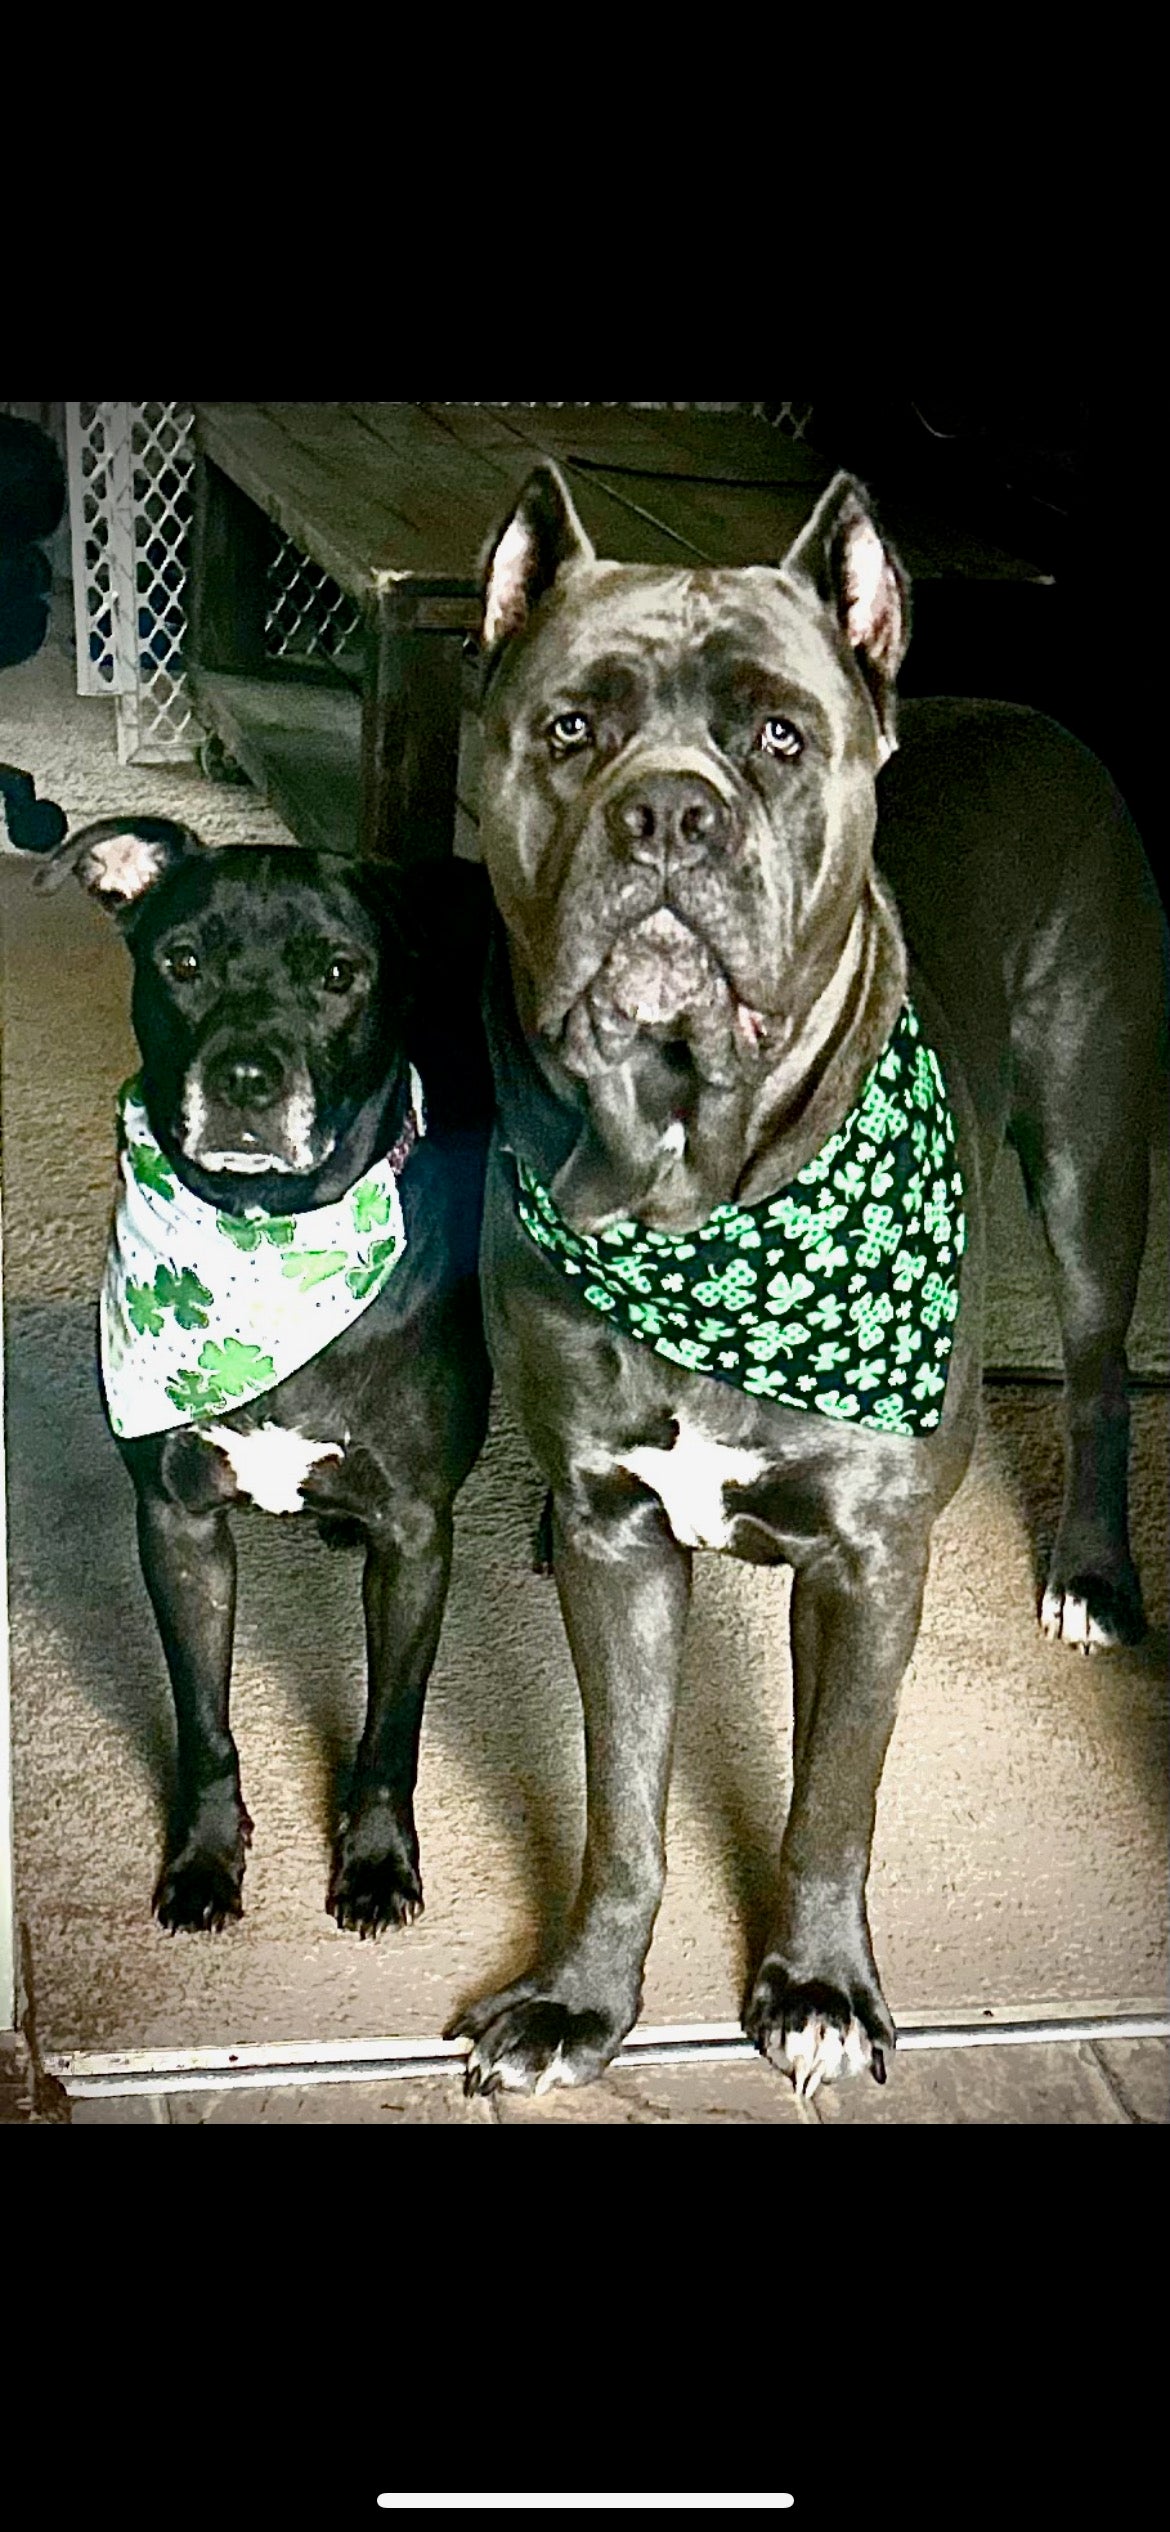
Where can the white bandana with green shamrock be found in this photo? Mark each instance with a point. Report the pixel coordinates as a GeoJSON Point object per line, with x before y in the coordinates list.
{"type": "Point", "coordinates": [202, 1311]}
{"type": "Point", "coordinates": [841, 1293]}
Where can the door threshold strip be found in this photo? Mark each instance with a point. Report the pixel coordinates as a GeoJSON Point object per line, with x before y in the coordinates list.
{"type": "Point", "coordinates": [94, 2074]}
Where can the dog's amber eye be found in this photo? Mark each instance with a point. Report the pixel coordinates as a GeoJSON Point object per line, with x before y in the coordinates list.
{"type": "Point", "coordinates": [779, 738]}
{"type": "Point", "coordinates": [568, 732]}
{"type": "Point", "coordinates": [339, 975]}
{"type": "Point", "coordinates": [182, 963]}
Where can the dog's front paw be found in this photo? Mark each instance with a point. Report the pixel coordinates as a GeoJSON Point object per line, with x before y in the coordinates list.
{"type": "Point", "coordinates": [375, 1880]}
{"type": "Point", "coordinates": [814, 2030]}
{"type": "Point", "coordinates": [199, 1892]}
{"type": "Point", "coordinates": [526, 2042]}
{"type": "Point", "coordinates": [200, 1886]}
{"type": "Point", "coordinates": [1093, 1611]}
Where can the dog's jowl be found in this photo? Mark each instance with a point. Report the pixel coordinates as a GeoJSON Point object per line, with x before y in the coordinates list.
{"type": "Point", "coordinates": [775, 973]}
{"type": "Point", "coordinates": [290, 1311]}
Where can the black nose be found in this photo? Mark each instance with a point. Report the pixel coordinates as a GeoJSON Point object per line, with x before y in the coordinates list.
{"type": "Point", "coordinates": [668, 817]}
{"type": "Point", "coordinates": [246, 1081]}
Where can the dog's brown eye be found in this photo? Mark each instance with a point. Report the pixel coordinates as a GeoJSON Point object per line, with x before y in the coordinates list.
{"type": "Point", "coordinates": [779, 738]}
{"type": "Point", "coordinates": [182, 963]}
{"type": "Point", "coordinates": [568, 732]}
{"type": "Point", "coordinates": [339, 975]}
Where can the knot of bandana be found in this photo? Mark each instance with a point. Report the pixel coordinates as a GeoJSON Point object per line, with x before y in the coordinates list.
{"type": "Point", "coordinates": [202, 1311]}
{"type": "Point", "coordinates": [841, 1293]}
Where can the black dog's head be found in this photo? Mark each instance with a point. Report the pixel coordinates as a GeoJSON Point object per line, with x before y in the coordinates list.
{"type": "Point", "coordinates": [269, 1004]}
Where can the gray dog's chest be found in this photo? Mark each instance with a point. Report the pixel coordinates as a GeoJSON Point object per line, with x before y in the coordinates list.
{"type": "Point", "coordinates": [689, 1479]}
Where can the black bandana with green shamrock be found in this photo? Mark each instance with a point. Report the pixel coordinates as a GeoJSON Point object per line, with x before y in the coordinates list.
{"type": "Point", "coordinates": [841, 1293]}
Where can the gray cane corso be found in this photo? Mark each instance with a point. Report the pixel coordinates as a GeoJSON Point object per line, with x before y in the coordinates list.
{"type": "Point", "coordinates": [698, 965]}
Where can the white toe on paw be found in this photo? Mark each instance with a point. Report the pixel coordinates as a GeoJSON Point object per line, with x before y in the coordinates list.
{"type": "Point", "coordinates": [817, 2052]}
{"type": "Point", "coordinates": [1065, 1619]}
{"type": "Point", "coordinates": [513, 2074]}
{"type": "Point", "coordinates": [556, 2072]}
{"type": "Point", "coordinates": [509, 2077]}
{"type": "Point", "coordinates": [858, 2051]}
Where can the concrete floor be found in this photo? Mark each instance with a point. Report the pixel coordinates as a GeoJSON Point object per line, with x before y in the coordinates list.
{"type": "Point", "coordinates": [1021, 1849]}
{"type": "Point", "coordinates": [1107, 2083]}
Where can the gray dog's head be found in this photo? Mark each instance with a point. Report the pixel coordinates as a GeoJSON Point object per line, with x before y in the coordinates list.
{"type": "Point", "coordinates": [677, 814]}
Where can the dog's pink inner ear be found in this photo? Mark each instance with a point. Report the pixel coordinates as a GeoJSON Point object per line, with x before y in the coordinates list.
{"type": "Point", "coordinates": [874, 616]}
{"type": "Point", "coordinates": [122, 867]}
{"type": "Point", "coordinates": [543, 532]}
{"type": "Point", "coordinates": [511, 577]}
{"type": "Point", "coordinates": [853, 571]}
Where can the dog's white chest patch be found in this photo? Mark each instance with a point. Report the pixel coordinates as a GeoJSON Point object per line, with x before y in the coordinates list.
{"type": "Point", "coordinates": [689, 1480]}
{"type": "Point", "coordinates": [271, 1464]}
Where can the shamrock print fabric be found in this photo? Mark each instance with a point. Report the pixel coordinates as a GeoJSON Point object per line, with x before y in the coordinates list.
{"type": "Point", "coordinates": [203, 1311]}
{"type": "Point", "coordinates": [840, 1294]}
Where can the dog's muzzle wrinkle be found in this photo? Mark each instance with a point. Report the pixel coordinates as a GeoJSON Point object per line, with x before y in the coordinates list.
{"type": "Point", "coordinates": [660, 977]}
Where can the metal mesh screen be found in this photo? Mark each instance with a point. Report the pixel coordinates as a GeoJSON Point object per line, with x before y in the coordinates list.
{"type": "Point", "coordinates": [308, 616]}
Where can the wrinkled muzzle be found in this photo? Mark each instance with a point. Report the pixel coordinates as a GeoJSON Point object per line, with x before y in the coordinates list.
{"type": "Point", "coordinates": [654, 899]}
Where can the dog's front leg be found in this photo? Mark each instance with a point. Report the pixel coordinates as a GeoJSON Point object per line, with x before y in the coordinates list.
{"type": "Point", "coordinates": [624, 1586]}
{"type": "Point", "coordinates": [816, 2008]}
{"type": "Point", "coordinates": [375, 1880]}
{"type": "Point", "coordinates": [189, 1564]}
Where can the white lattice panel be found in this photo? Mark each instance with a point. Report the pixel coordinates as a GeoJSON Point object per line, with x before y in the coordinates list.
{"type": "Point", "coordinates": [130, 469]}
{"type": "Point", "coordinates": [97, 440]}
{"type": "Point", "coordinates": [160, 725]}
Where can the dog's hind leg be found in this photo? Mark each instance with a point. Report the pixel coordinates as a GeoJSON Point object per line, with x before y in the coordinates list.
{"type": "Point", "coordinates": [1080, 1126]}
{"type": "Point", "coordinates": [375, 1879]}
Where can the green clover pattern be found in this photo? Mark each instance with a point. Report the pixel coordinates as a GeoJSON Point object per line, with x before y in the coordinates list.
{"type": "Point", "coordinates": [151, 1168]}
{"type": "Point", "coordinates": [147, 1304]}
{"type": "Point", "coordinates": [227, 1373]}
{"type": "Point", "coordinates": [877, 1217]}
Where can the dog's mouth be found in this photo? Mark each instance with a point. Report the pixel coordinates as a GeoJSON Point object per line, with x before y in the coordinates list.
{"type": "Point", "coordinates": [283, 1139]}
{"type": "Point", "coordinates": [661, 979]}
{"type": "Point", "coordinates": [257, 1162]}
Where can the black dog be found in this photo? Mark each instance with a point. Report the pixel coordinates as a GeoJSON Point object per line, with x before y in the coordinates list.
{"type": "Point", "coordinates": [270, 1002]}
{"type": "Point", "coordinates": [729, 1045]}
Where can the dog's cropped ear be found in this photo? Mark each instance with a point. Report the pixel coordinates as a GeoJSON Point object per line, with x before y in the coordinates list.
{"type": "Point", "coordinates": [843, 555]}
{"type": "Point", "coordinates": [118, 859]}
{"type": "Point", "coordinates": [526, 554]}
